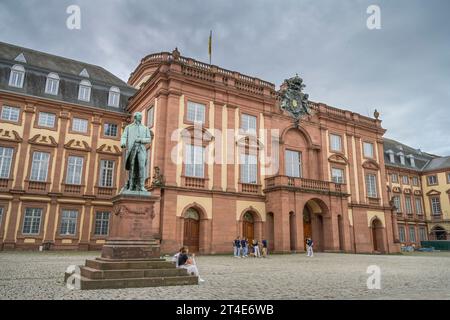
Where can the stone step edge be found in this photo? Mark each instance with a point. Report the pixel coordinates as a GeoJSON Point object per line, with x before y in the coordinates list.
{"type": "Point", "coordinates": [89, 284]}
{"type": "Point", "coordinates": [110, 274]}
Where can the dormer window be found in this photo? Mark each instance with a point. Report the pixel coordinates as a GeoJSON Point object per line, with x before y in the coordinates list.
{"type": "Point", "coordinates": [391, 156]}
{"type": "Point", "coordinates": [84, 92]}
{"type": "Point", "coordinates": [402, 158]}
{"type": "Point", "coordinates": [114, 97]}
{"type": "Point", "coordinates": [411, 160]}
{"type": "Point", "coordinates": [17, 75]}
{"type": "Point", "coordinates": [52, 84]}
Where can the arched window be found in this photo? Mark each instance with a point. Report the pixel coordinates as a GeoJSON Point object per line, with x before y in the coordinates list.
{"type": "Point", "coordinates": [52, 84]}
{"type": "Point", "coordinates": [17, 75]}
{"type": "Point", "coordinates": [191, 213]}
{"type": "Point", "coordinates": [84, 92]}
{"type": "Point", "coordinates": [248, 217]}
{"type": "Point", "coordinates": [114, 97]}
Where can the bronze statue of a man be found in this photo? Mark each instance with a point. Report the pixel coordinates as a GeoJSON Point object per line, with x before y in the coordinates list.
{"type": "Point", "coordinates": [134, 138]}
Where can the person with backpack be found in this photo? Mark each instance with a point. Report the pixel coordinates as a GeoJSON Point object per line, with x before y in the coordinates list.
{"type": "Point", "coordinates": [264, 248]}
{"type": "Point", "coordinates": [309, 247]}
{"type": "Point", "coordinates": [244, 248]}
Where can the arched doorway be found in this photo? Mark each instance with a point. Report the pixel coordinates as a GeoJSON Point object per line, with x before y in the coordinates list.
{"type": "Point", "coordinates": [438, 233]}
{"type": "Point", "coordinates": [248, 226]}
{"type": "Point", "coordinates": [377, 235]}
{"type": "Point", "coordinates": [191, 237]}
{"type": "Point", "coordinates": [313, 223]}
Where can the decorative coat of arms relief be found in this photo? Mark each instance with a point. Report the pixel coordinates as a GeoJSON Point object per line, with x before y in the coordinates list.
{"type": "Point", "coordinates": [293, 100]}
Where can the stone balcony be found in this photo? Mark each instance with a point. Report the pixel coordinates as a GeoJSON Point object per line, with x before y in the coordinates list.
{"type": "Point", "coordinates": [306, 185]}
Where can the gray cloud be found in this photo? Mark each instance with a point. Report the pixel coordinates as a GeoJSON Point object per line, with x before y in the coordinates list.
{"type": "Point", "coordinates": [403, 69]}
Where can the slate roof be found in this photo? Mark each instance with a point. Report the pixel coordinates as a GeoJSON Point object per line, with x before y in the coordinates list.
{"type": "Point", "coordinates": [39, 64]}
{"type": "Point", "coordinates": [423, 161]}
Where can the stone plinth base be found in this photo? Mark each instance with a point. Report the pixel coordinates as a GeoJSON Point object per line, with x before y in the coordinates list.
{"type": "Point", "coordinates": [131, 256]}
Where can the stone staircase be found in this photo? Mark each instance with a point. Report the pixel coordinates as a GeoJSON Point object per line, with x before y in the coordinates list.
{"type": "Point", "coordinates": [102, 273]}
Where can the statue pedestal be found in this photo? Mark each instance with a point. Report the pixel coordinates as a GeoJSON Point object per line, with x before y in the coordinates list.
{"type": "Point", "coordinates": [131, 256]}
{"type": "Point", "coordinates": [131, 234]}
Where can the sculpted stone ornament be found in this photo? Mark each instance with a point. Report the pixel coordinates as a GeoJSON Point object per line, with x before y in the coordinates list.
{"type": "Point", "coordinates": [293, 100]}
{"type": "Point", "coordinates": [134, 139]}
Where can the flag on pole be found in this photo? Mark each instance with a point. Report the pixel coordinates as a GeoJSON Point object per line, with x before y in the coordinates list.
{"type": "Point", "coordinates": [210, 46]}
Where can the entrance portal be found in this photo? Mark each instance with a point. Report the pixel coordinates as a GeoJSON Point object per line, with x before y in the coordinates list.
{"type": "Point", "coordinates": [248, 226]}
{"type": "Point", "coordinates": [191, 237]}
{"type": "Point", "coordinates": [377, 235]}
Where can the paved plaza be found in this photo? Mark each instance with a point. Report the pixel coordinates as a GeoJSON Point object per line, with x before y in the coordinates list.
{"type": "Point", "coordinates": [39, 275]}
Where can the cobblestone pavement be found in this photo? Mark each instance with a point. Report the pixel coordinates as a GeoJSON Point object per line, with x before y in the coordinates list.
{"type": "Point", "coordinates": [39, 275]}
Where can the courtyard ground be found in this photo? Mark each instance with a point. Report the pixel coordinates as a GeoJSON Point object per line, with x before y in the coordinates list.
{"type": "Point", "coordinates": [39, 275]}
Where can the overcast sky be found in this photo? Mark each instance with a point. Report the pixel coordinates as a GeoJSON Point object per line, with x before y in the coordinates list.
{"type": "Point", "coordinates": [403, 69]}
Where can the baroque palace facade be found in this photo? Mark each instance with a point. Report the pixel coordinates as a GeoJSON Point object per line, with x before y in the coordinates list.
{"type": "Point", "coordinates": [225, 161]}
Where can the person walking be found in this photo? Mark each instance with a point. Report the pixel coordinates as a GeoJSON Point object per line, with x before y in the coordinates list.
{"type": "Point", "coordinates": [264, 248]}
{"type": "Point", "coordinates": [244, 247]}
{"type": "Point", "coordinates": [237, 244]}
{"type": "Point", "coordinates": [309, 247]}
{"type": "Point", "coordinates": [256, 248]}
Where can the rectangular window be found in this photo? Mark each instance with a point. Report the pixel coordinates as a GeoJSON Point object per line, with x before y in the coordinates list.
{"type": "Point", "coordinates": [397, 203]}
{"type": "Point", "coordinates": [335, 142]}
{"type": "Point", "coordinates": [436, 206]}
{"type": "Point", "coordinates": [74, 170]}
{"type": "Point", "coordinates": [106, 173]}
{"type": "Point", "coordinates": [337, 175]}
{"type": "Point", "coordinates": [405, 180]}
{"type": "Point", "coordinates": [6, 155]}
{"type": "Point", "coordinates": [419, 209]}
{"type": "Point", "coordinates": [10, 113]}
{"type": "Point", "coordinates": [84, 93]}
{"type": "Point", "coordinates": [16, 78]}
{"type": "Point", "coordinates": [401, 233]}
{"type": "Point", "coordinates": [394, 178]}
{"type": "Point", "coordinates": [150, 117]}
{"type": "Point", "coordinates": [32, 221]}
{"type": "Point", "coordinates": [39, 166]}
{"type": "Point", "coordinates": [80, 125]}
{"type": "Point", "coordinates": [371, 185]}
{"type": "Point", "coordinates": [68, 222]}
{"type": "Point", "coordinates": [113, 99]}
{"type": "Point", "coordinates": [249, 168]}
{"type": "Point", "coordinates": [51, 86]}
{"type": "Point", "coordinates": [412, 234]}
{"type": "Point", "coordinates": [196, 112]}
{"type": "Point", "coordinates": [101, 223]}
{"type": "Point", "coordinates": [415, 181]}
{"type": "Point", "coordinates": [408, 205]}
{"type": "Point", "coordinates": [368, 149]}
{"type": "Point", "coordinates": [432, 180]}
{"type": "Point", "coordinates": [46, 119]}
{"type": "Point", "coordinates": [110, 129]}
{"type": "Point", "coordinates": [293, 160]}
{"type": "Point", "coordinates": [248, 123]}
{"type": "Point", "coordinates": [194, 166]}
{"type": "Point", "coordinates": [422, 234]}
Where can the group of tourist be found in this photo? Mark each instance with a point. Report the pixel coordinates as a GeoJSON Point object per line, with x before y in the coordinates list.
{"type": "Point", "coordinates": [244, 248]}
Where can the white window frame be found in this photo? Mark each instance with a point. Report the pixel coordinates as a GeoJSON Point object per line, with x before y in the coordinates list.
{"type": "Point", "coordinates": [402, 233]}
{"type": "Point", "coordinates": [196, 112]}
{"type": "Point", "coordinates": [101, 226]}
{"type": "Point", "coordinates": [293, 163]}
{"type": "Point", "coordinates": [249, 168]}
{"type": "Point", "coordinates": [194, 161]}
{"type": "Point", "coordinates": [422, 234]}
{"type": "Point", "coordinates": [434, 178]}
{"type": "Point", "coordinates": [436, 208]}
{"type": "Point", "coordinates": [17, 75]}
{"type": "Point", "coordinates": [412, 234]}
{"type": "Point", "coordinates": [32, 219]}
{"type": "Point", "coordinates": [47, 119]}
{"type": "Point", "coordinates": [107, 173]}
{"type": "Point", "coordinates": [249, 123]}
{"type": "Point", "coordinates": [80, 125]}
{"type": "Point", "coordinates": [39, 166]}
{"type": "Point", "coordinates": [394, 180]}
{"type": "Point", "coordinates": [107, 132]}
{"type": "Point", "coordinates": [418, 205]}
{"type": "Point", "coordinates": [337, 178]}
{"type": "Point", "coordinates": [69, 220]}
{"type": "Point", "coordinates": [397, 203]}
{"type": "Point", "coordinates": [6, 156]}
{"type": "Point", "coordinates": [368, 149]}
{"type": "Point", "coordinates": [408, 205]}
{"type": "Point", "coordinates": [52, 84]}
{"type": "Point", "coordinates": [84, 90]}
{"type": "Point", "coordinates": [10, 113]}
{"type": "Point", "coordinates": [405, 180]}
{"type": "Point", "coordinates": [114, 97]}
{"type": "Point", "coordinates": [74, 170]}
{"type": "Point", "coordinates": [371, 185]}
{"type": "Point", "coordinates": [335, 142]}
{"type": "Point", "coordinates": [415, 181]}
